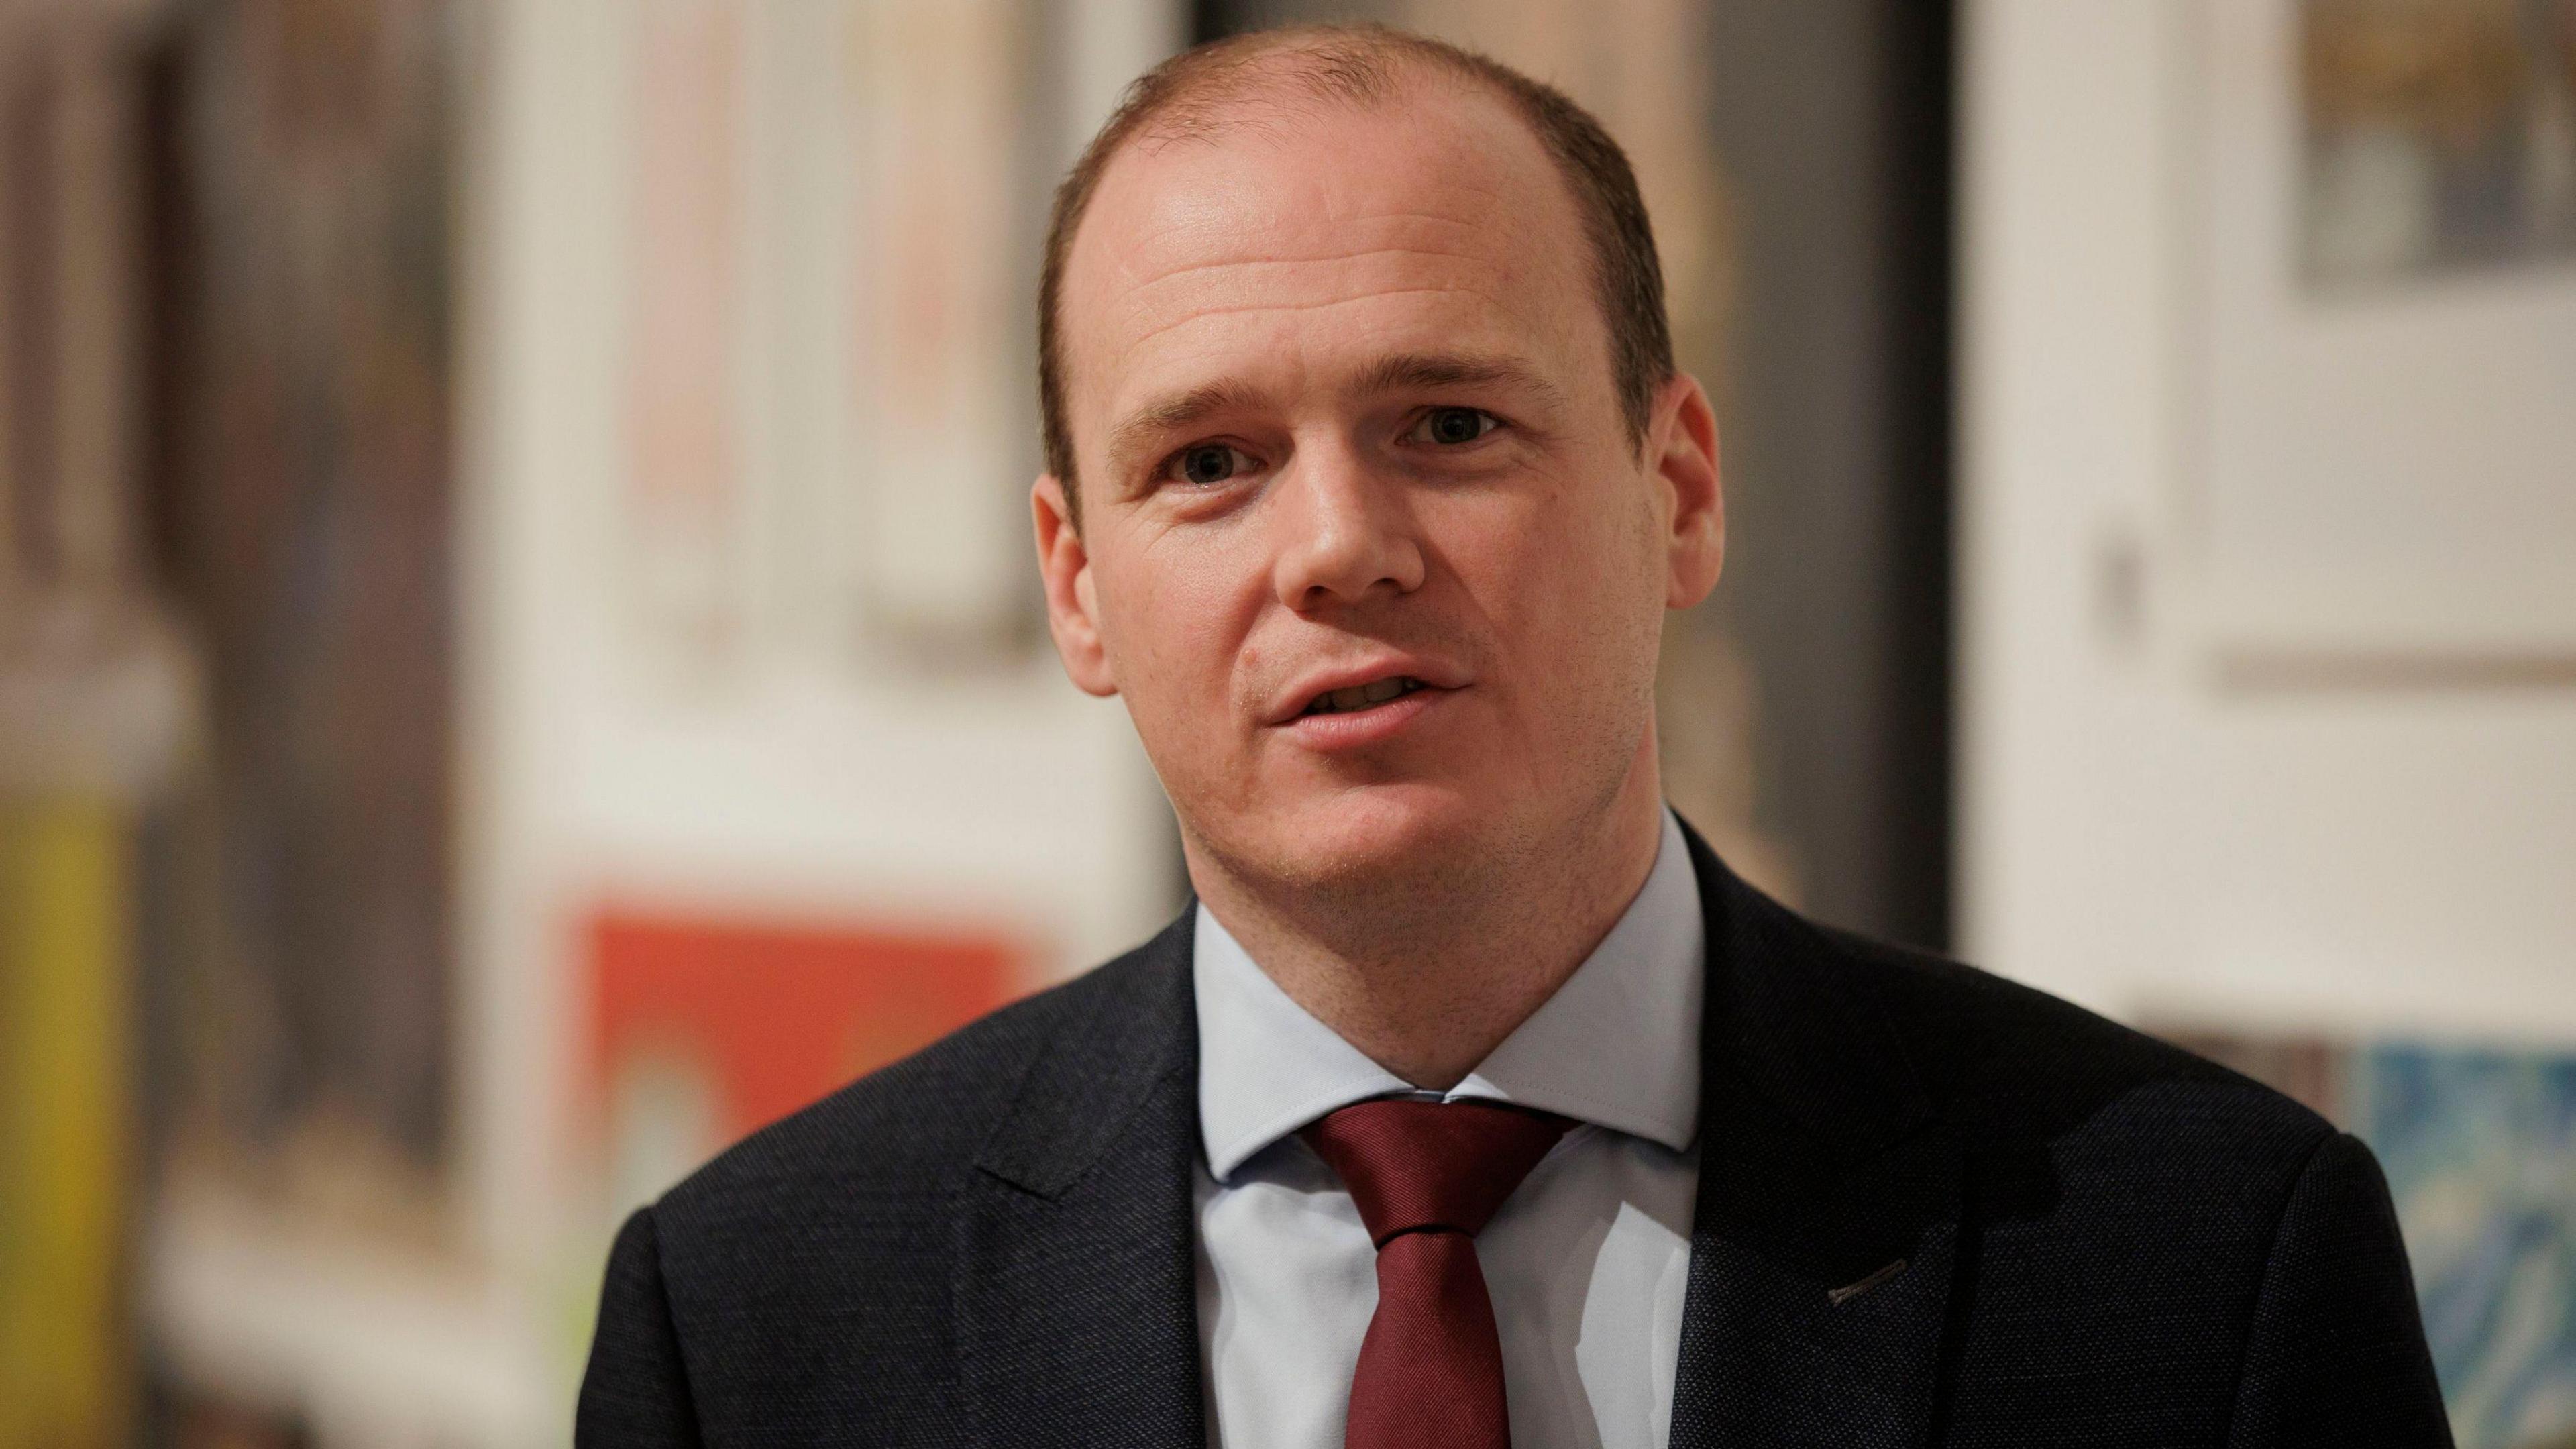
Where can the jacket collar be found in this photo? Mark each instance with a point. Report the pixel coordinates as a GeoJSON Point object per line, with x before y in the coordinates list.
{"type": "Point", "coordinates": [1822, 1249]}
{"type": "Point", "coordinates": [1075, 1286]}
{"type": "Point", "coordinates": [1827, 1233]}
{"type": "Point", "coordinates": [1805, 1084]}
{"type": "Point", "coordinates": [1107, 1069]}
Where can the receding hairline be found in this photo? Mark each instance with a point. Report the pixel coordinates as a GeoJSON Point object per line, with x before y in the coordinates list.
{"type": "Point", "coordinates": [1310, 68]}
{"type": "Point", "coordinates": [1214, 90]}
{"type": "Point", "coordinates": [1230, 119]}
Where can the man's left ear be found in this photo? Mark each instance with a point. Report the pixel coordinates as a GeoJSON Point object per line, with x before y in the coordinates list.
{"type": "Point", "coordinates": [1683, 440]}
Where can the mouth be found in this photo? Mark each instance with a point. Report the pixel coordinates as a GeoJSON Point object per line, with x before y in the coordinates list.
{"type": "Point", "coordinates": [1360, 697]}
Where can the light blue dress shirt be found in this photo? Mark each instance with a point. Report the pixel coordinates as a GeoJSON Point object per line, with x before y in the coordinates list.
{"type": "Point", "coordinates": [1588, 1262]}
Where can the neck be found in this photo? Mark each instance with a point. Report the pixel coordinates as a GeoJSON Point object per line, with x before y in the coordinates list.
{"type": "Point", "coordinates": [1427, 972]}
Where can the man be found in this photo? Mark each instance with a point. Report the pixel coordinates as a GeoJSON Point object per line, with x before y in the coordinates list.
{"type": "Point", "coordinates": [1473, 1102]}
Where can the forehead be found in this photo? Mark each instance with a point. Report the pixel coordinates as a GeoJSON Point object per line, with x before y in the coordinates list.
{"type": "Point", "coordinates": [1315, 237]}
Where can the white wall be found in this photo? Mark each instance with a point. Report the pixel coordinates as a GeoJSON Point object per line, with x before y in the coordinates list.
{"type": "Point", "coordinates": [2147, 826]}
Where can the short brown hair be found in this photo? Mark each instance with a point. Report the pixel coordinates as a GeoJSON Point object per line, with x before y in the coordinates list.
{"type": "Point", "coordinates": [1361, 64]}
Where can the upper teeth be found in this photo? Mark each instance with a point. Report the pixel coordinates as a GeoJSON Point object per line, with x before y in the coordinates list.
{"type": "Point", "coordinates": [1361, 696]}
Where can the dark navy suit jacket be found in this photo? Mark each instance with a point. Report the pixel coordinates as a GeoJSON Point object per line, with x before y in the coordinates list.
{"type": "Point", "coordinates": [2103, 1241]}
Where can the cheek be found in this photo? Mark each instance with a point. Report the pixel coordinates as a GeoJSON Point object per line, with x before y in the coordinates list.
{"type": "Point", "coordinates": [1168, 610]}
{"type": "Point", "coordinates": [1571, 576]}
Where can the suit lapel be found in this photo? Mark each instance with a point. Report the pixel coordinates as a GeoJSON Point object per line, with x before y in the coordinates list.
{"type": "Point", "coordinates": [1822, 1169]}
{"type": "Point", "coordinates": [1075, 1285]}
{"type": "Point", "coordinates": [1826, 1236]}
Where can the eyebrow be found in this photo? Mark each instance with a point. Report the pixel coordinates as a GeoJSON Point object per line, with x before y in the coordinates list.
{"type": "Point", "coordinates": [1165, 415]}
{"type": "Point", "coordinates": [1412, 371]}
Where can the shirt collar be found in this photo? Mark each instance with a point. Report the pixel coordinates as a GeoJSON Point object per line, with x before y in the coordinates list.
{"type": "Point", "coordinates": [1617, 1045]}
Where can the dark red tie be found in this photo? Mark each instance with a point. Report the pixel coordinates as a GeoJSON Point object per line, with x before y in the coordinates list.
{"type": "Point", "coordinates": [1426, 1177]}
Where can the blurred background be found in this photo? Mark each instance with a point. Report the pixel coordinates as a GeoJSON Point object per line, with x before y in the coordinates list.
{"type": "Point", "coordinates": [519, 661]}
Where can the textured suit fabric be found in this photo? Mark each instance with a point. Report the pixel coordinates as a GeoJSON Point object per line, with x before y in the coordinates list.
{"type": "Point", "coordinates": [1935, 1209]}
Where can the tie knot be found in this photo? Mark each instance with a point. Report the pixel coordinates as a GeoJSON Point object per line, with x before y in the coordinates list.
{"type": "Point", "coordinates": [1412, 1166]}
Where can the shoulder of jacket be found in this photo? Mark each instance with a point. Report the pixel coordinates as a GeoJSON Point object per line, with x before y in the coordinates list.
{"type": "Point", "coordinates": [910, 1128]}
{"type": "Point", "coordinates": [2004, 1059]}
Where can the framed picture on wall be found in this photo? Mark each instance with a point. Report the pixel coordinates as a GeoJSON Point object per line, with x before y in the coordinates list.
{"type": "Point", "coordinates": [833, 226]}
{"type": "Point", "coordinates": [2381, 430]}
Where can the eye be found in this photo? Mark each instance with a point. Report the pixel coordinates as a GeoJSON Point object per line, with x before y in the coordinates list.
{"type": "Point", "coordinates": [1452, 426]}
{"type": "Point", "coordinates": [1204, 464]}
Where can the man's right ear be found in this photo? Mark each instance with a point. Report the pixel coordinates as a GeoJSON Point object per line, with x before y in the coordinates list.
{"type": "Point", "coordinates": [1073, 605]}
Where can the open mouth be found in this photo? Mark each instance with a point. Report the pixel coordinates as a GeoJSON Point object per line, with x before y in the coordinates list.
{"type": "Point", "coordinates": [1364, 696]}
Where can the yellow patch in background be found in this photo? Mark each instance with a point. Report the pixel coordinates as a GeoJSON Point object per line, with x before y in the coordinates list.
{"type": "Point", "coordinates": [65, 1359]}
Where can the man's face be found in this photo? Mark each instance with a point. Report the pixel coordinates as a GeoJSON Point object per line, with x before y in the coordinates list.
{"type": "Point", "coordinates": [1367, 544]}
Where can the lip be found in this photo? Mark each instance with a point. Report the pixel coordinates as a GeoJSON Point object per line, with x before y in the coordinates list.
{"type": "Point", "coordinates": [1291, 708]}
{"type": "Point", "coordinates": [1338, 731]}
{"type": "Point", "coordinates": [1329, 733]}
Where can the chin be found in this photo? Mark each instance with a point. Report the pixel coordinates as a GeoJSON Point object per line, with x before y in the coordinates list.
{"type": "Point", "coordinates": [1379, 835]}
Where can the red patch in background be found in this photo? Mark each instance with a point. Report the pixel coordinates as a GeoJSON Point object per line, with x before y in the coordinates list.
{"type": "Point", "coordinates": [781, 1015]}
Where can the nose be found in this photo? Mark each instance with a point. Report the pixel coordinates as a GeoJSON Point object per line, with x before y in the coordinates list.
{"type": "Point", "coordinates": [1347, 533]}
